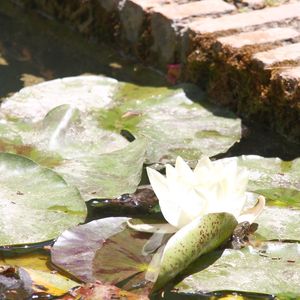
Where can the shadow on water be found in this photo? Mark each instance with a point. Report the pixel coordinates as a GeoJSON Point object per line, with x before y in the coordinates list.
{"type": "Point", "coordinates": [33, 49]}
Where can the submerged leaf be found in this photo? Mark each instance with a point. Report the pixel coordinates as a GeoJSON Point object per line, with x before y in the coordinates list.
{"type": "Point", "coordinates": [99, 291]}
{"type": "Point", "coordinates": [143, 200]}
{"type": "Point", "coordinates": [14, 283]}
{"type": "Point", "coordinates": [37, 267]}
{"type": "Point", "coordinates": [36, 204]}
{"type": "Point", "coordinates": [273, 268]}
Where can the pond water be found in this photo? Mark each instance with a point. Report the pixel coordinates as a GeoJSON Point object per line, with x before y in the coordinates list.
{"type": "Point", "coordinates": [35, 49]}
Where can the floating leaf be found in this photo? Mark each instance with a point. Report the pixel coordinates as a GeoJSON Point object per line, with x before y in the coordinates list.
{"type": "Point", "coordinates": [276, 223]}
{"type": "Point", "coordinates": [274, 178]}
{"type": "Point", "coordinates": [279, 182]}
{"type": "Point", "coordinates": [273, 268]}
{"type": "Point", "coordinates": [36, 203]}
{"type": "Point", "coordinates": [104, 250]}
{"type": "Point", "coordinates": [149, 112]}
{"type": "Point", "coordinates": [98, 162]}
{"type": "Point", "coordinates": [86, 93]}
{"type": "Point", "coordinates": [75, 249]}
{"type": "Point", "coordinates": [154, 113]}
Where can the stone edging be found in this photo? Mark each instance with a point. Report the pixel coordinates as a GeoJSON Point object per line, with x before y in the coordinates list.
{"type": "Point", "coordinates": [245, 54]}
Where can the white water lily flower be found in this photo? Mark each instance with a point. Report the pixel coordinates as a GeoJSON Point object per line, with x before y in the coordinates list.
{"type": "Point", "coordinates": [185, 197]}
{"type": "Point", "coordinates": [212, 187]}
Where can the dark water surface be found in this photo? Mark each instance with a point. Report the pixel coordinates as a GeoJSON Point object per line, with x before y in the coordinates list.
{"type": "Point", "coordinates": [35, 49]}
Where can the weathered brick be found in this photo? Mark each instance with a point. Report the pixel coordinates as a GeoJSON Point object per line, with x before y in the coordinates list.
{"type": "Point", "coordinates": [259, 37]}
{"type": "Point", "coordinates": [242, 20]}
{"type": "Point", "coordinates": [289, 52]}
{"type": "Point", "coordinates": [178, 12]}
{"type": "Point", "coordinates": [291, 73]}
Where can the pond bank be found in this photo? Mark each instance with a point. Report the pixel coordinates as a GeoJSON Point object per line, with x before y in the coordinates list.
{"type": "Point", "coordinates": [246, 57]}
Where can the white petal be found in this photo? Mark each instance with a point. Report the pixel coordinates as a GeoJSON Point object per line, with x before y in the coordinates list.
{"type": "Point", "coordinates": [162, 228]}
{"type": "Point", "coordinates": [178, 194]}
{"type": "Point", "coordinates": [184, 171]}
{"type": "Point", "coordinates": [252, 213]}
{"type": "Point", "coordinates": [187, 201]}
{"type": "Point", "coordinates": [168, 206]}
{"type": "Point", "coordinates": [171, 173]}
{"type": "Point", "coordinates": [203, 169]}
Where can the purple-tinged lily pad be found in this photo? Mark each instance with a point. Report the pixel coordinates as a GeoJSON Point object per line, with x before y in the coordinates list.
{"type": "Point", "coordinates": [75, 249]}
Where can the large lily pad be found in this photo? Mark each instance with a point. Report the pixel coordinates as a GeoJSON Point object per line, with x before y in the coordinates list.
{"type": "Point", "coordinates": [75, 249]}
{"type": "Point", "coordinates": [104, 250]}
{"type": "Point", "coordinates": [172, 124]}
{"type": "Point", "coordinates": [273, 177]}
{"type": "Point", "coordinates": [100, 163]}
{"type": "Point", "coordinates": [36, 204]}
{"type": "Point", "coordinates": [279, 182]}
{"type": "Point", "coordinates": [277, 223]}
{"type": "Point", "coordinates": [84, 92]}
{"type": "Point", "coordinates": [273, 268]}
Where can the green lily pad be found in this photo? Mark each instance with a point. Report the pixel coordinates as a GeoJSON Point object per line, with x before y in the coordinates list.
{"type": "Point", "coordinates": [276, 223]}
{"type": "Point", "coordinates": [171, 122]}
{"type": "Point", "coordinates": [273, 268]}
{"type": "Point", "coordinates": [86, 93]}
{"type": "Point", "coordinates": [36, 203]}
{"type": "Point", "coordinates": [279, 182]}
{"type": "Point", "coordinates": [100, 163]}
{"type": "Point", "coordinates": [274, 178]}
{"type": "Point", "coordinates": [167, 118]}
